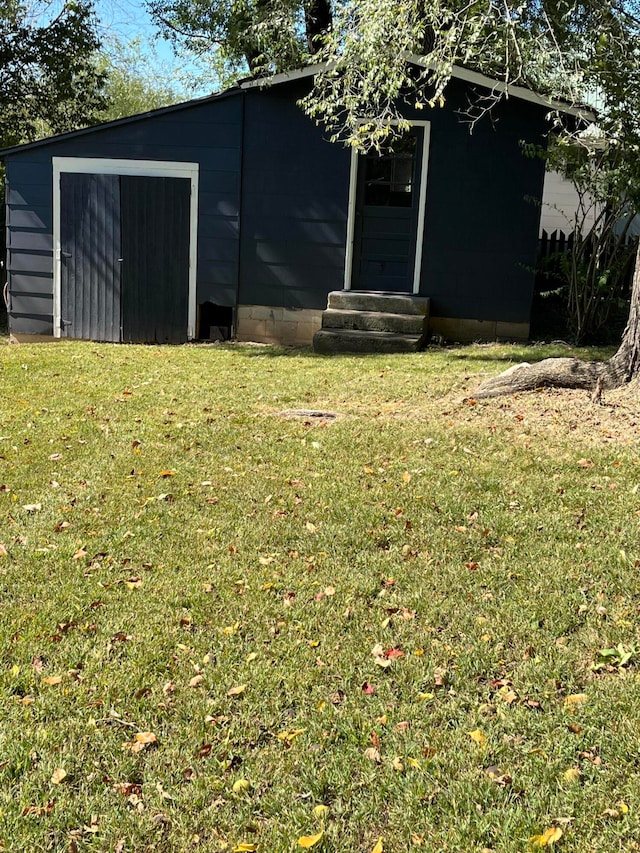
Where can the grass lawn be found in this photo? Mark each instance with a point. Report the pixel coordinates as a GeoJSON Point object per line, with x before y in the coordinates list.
{"type": "Point", "coordinates": [223, 628]}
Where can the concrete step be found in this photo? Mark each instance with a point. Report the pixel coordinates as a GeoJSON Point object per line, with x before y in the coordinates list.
{"type": "Point", "coordinates": [381, 301]}
{"type": "Point", "coordinates": [330, 341]}
{"type": "Point", "coordinates": [374, 321]}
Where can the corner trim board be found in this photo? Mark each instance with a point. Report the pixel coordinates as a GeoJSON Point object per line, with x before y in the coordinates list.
{"type": "Point", "coordinates": [145, 168]}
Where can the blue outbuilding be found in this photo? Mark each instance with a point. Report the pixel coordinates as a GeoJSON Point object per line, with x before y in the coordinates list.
{"type": "Point", "coordinates": [234, 215]}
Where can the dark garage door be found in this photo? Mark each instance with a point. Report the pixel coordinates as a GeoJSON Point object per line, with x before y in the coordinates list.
{"type": "Point", "coordinates": [125, 257]}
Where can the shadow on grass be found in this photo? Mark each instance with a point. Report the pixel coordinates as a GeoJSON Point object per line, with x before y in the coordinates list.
{"type": "Point", "coordinates": [482, 352]}
{"type": "Point", "coordinates": [528, 352]}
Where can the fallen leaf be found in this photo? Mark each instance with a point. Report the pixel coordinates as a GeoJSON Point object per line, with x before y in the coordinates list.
{"type": "Point", "coordinates": [240, 786]}
{"type": "Point", "coordinates": [3, 550]}
{"type": "Point", "coordinates": [237, 691]}
{"type": "Point", "coordinates": [320, 811]}
{"type": "Point", "coordinates": [245, 847]}
{"type": "Point", "coordinates": [397, 764]}
{"type": "Point", "coordinates": [575, 699]}
{"type": "Point", "coordinates": [38, 811]}
{"type": "Point", "coordinates": [288, 737]}
{"type": "Point", "coordinates": [394, 654]}
{"type": "Point", "coordinates": [127, 788]}
{"type": "Point", "coordinates": [145, 738]}
{"type": "Point", "coordinates": [31, 508]}
{"type": "Point", "coordinates": [378, 848]}
{"type": "Point", "coordinates": [497, 776]}
{"type": "Point", "coordinates": [440, 677]}
{"type": "Point", "coordinates": [548, 837]}
{"type": "Point", "coordinates": [310, 840]}
{"type": "Point", "coordinates": [368, 689]}
{"type": "Point", "coordinates": [58, 776]}
{"type": "Point", "coordinates": [167, 473]}
{"type": "Point", "coordinates": [572, 775]}
{"type": "Point", "coordinates": [204, 751]}
{"type": "Point", "coordinates": [620, 810]}
{"type": "Point", "coordinates": [52, 680]}
{"type": "Point", "coordinates": [196, 680]}
{"type": "Point", "coordinates": [373, 754]}
{"type": "Point", "coordinates": [478, 737]}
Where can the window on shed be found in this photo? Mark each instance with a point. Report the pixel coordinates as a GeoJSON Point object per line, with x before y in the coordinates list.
{"type": "Point", "coordinates": [389, 175]}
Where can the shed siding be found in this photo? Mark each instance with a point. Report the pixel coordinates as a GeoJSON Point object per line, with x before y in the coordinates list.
{"type": "Point", "coordinates": [208, 133]}
{"type": "Point", "coordinates": [294, 204]}
{"type": "Point", "coordinates": [481, 230]}
{"type": "Point", "coordinates": [29, 243]}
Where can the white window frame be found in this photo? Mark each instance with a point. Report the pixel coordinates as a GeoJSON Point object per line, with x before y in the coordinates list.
{"type": "Point", "coordinates": [144, 168]}
{"type": "Point", "coordinates": [422, 204]}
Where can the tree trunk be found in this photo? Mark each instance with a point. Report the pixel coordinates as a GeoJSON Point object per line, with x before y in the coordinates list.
{"type": "Point", "coordinates": [318, 20]}
{"type": "Point", "coordinates": [619, 370]}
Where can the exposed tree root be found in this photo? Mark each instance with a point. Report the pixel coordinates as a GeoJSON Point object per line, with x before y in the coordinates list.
{"type": "Point", "coordinates": [555, 373]}
{"type": "Point", "coordinates": [594, 376]}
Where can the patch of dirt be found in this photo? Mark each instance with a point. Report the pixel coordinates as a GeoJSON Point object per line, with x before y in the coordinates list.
{"type": "Point", "coordinates": [550, 415]}
{"type": "Point", "coordinates": [310, 416]}
{"type": "Point", "coordinates": [560, 413]}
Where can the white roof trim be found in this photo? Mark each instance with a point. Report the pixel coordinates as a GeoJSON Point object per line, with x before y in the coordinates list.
{"type": "Point", "coordinates": [283, 77]}
{"type": "Point", "coordinates": [459, 73]}
{"type": "Point", "coordinates": [508, 90]}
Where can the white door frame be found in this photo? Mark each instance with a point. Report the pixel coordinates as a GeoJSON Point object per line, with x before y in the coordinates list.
{"type": "Point", "coordinates": [145, 168]}
{"type": "Point", "coordinates": [422, 203]}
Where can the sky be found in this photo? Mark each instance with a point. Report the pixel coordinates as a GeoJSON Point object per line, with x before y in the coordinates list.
{"type": "Point", "coordinates": [129, 20]}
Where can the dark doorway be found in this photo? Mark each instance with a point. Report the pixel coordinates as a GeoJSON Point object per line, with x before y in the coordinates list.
{"type": "Point", "coordinates": [386, 222]}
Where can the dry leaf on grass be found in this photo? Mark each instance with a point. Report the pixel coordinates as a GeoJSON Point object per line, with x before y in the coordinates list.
{"type": "Point", "coordinates": [310, 840]}
{"type": "Point", "coordinates": [477, 736]}
{"type": "Point", "coordinates": [548, 837]}
{"type": "Point", "coordinates": [58, 776]}
{"type": "Point", "coordinates": [141, 740]}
